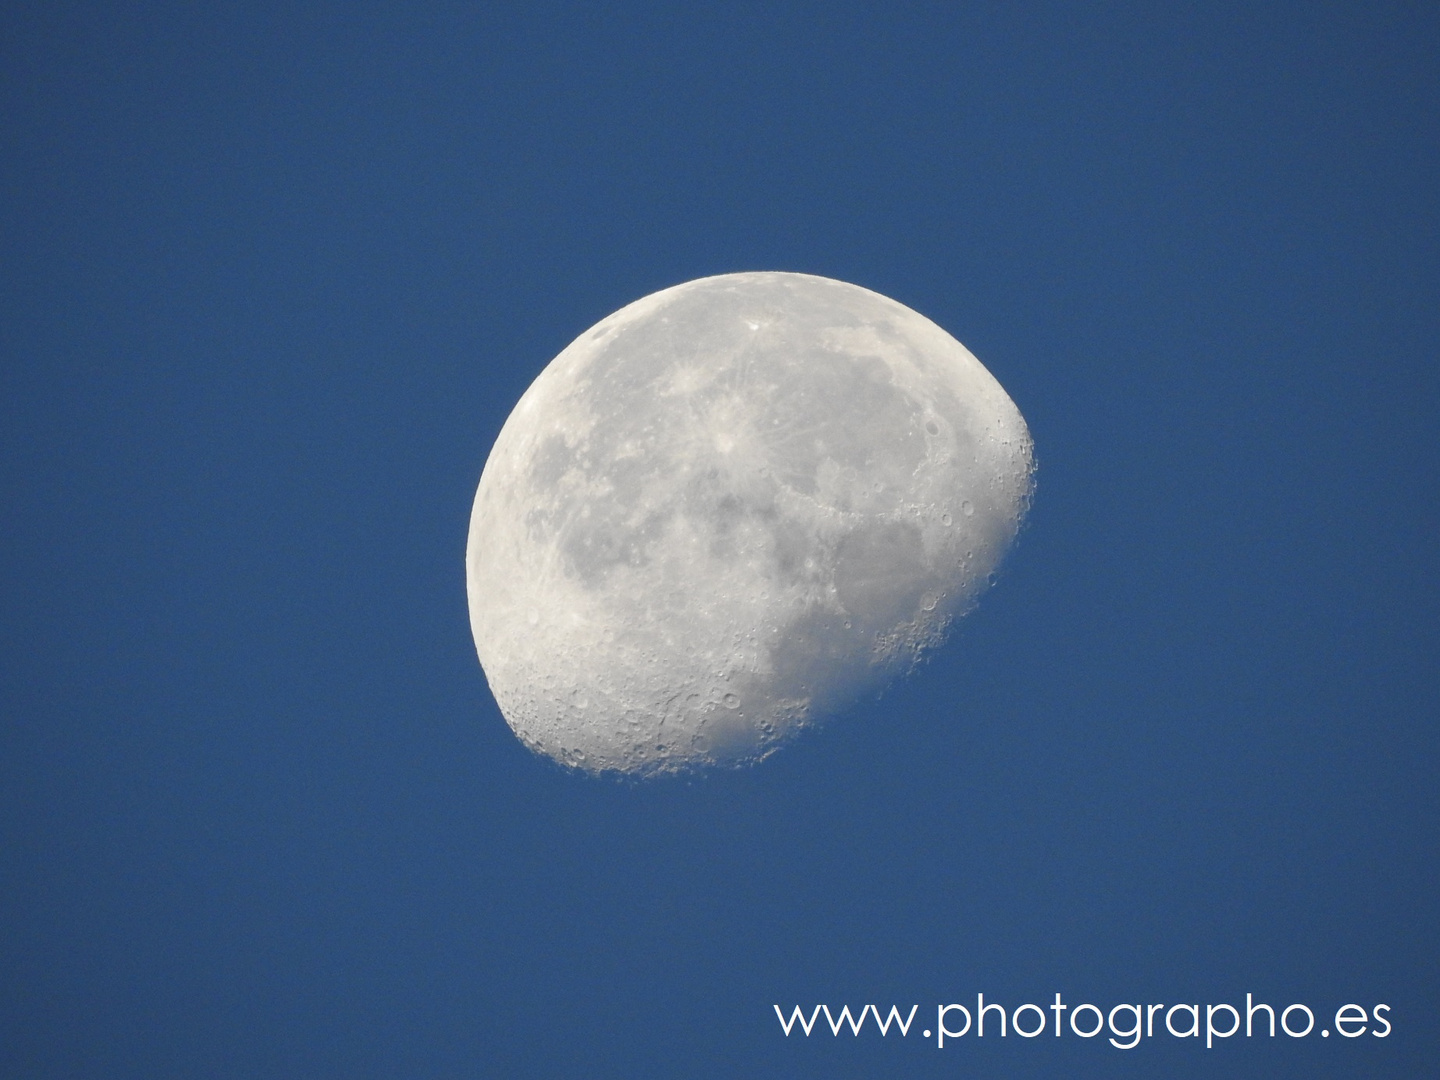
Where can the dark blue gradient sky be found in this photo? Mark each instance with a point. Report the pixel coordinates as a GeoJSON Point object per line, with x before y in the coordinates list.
{"type": "Point", "coordinates": [271, 279]}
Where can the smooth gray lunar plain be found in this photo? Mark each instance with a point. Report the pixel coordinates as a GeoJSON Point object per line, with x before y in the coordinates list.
{"type": "Point", "coordinates": [726, 510]}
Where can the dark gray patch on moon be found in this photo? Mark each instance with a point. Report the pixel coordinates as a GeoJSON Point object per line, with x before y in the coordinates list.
{"type": "Point", "coordinates": [881, 575]}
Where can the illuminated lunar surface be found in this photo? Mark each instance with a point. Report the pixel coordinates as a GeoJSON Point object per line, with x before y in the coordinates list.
{"type": "Point", "coordinates": [726, 510]}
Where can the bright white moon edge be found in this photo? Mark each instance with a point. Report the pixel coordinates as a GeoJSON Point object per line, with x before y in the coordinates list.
{"type": "Point", "coordinates": [726, 510]}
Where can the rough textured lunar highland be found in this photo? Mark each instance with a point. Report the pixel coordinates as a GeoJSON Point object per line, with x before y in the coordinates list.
{"type": "Point", "coordinates": [725, 511]}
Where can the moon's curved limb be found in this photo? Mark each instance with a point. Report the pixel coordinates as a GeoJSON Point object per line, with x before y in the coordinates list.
{"type": "Point", "coordinates": [726, 509]}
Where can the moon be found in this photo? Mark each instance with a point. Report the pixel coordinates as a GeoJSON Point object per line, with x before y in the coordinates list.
{"type": "Point", "coordinates": [728, 509]}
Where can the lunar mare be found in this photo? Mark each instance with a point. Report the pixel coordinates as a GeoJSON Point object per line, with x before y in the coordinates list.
{"type": "Point", "coordinates": [726, 510]}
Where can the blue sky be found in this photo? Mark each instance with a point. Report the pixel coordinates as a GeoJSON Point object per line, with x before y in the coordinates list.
{"type": "Point", "coordinates": [271, 279]}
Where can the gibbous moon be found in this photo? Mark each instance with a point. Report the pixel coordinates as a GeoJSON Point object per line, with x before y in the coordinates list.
{"type": "Point", "coordinates": [726, 510]}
